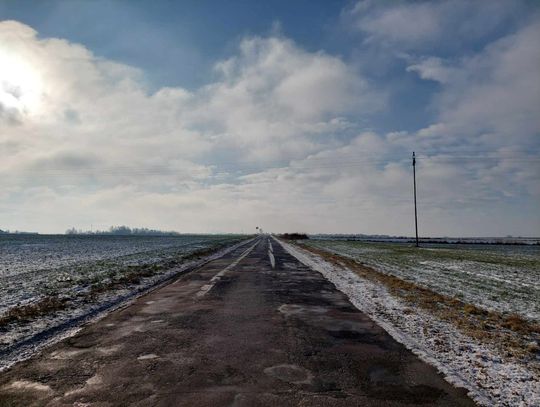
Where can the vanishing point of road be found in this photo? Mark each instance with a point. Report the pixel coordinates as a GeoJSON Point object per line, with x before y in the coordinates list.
{"type": "Point", "coordinates": [253, 328]}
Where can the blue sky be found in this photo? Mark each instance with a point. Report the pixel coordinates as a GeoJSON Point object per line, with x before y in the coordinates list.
{"type": "Point", "coordinates": [215, 116]}
{"type": "Point", "coordinates": [177, 43]}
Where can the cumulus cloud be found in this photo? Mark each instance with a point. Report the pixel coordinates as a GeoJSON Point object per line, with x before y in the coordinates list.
{"type": "Point", "coordinates": [276, 139]}
{"type": "Point", "coordinates": [271, 97]}
{"type": "Point", "coordinates": [89, 124]}
{"type": "Point", "coordinates": [497, 91]}
{"type": "Point", "coordinates": [488, 100]}
{"type": "Point", "coordinates": [272, 90]}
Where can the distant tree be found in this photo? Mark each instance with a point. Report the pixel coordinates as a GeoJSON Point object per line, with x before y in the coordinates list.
{"type": "Point", "coordinates": [120, 230]}
{"type": "Point", "coordinates": [123, 231]}
{"type": "Point", "coordinates": [294, 236]}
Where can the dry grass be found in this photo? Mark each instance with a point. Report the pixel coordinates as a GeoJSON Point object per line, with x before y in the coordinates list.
{"type": "Point", "coordinates": [32, 311]}
{"type": "Point", "coordinates": [513, 335]}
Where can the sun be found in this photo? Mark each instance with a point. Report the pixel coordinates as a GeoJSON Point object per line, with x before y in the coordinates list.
{"type": "Point", "coordinates": [20, 84]}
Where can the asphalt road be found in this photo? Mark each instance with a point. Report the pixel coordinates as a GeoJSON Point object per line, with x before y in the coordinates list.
{"type": "Point", "coordinates": [253, 328]}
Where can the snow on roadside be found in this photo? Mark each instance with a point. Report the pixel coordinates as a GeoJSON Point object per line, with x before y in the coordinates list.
{"type": "Point", "coordinates": [463, 361]}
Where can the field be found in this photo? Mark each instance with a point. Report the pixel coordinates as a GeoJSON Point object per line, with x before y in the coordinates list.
{"type": "Point", "coordinates": [48, 280]}
{"type": "Point", "coordinates": [504, 278]}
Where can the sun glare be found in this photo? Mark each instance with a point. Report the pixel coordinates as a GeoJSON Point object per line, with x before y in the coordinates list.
{"type": "Point", "coordinates": [20, 84]}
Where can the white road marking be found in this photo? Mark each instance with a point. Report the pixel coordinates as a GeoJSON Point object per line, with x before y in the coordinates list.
{"type": "Point", "coordinates": [271, 254]}
{"type": "Point", "coordinates": [272, 259]}
{"type": "Point", "coordinates": [207, 287]}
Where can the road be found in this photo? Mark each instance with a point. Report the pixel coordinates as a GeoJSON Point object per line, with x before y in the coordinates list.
{"type": "Point", "coordinates": [253, 328]}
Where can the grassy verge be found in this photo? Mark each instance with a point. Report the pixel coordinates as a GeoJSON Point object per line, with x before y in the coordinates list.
{"type": "Point", "coordinates": [511, 334]}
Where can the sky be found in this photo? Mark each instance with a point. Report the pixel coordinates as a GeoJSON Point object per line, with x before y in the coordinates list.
{"type": "Point", "coordinates": [210, 117]}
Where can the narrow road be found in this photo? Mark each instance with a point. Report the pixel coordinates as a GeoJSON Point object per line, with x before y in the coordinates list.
{"type": "Point", "coordinates": [253, 328]}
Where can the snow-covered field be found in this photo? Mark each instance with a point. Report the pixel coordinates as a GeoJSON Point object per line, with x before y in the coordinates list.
{"type": "Point", "coordinates": [504, 278]}
{"type": "Point", "coordinates": [492, 379]}
{"type": "Point", "coordinates": [37, 265]}
{"type": "Point", "coordinates": [86, 272]}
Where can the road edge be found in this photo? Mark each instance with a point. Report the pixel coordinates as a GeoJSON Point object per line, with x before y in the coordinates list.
{"type": "Point", "coordinates": [403, 338]}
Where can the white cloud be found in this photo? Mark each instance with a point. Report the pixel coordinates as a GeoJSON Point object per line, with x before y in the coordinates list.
{"type": "Point", "coordinates": [92, 145]}
{"type": "Point", "coordinates": [422, 25]}
{"type": "Point", "coordinates": [488, 100]}
{"type": "Point", "coordinates": [497, 91]}
{"type": "Point", "coordinates": [91, 127]}
{"type": "Point", "coordinates": [432, 68]}
{"type": "Point", "coordinates": [271, 94]}
{"type": "Point", "coordinates": [271, 91]}
{"type": "Point", "coordinates": [414, 23]}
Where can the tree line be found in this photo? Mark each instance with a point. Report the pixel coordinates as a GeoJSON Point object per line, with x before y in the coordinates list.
{"type": "Point", "coordinates": [122, 231]}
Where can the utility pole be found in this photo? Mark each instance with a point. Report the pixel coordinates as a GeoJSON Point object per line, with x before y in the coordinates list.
{"type": "Point", "coordinates": [415, 210]}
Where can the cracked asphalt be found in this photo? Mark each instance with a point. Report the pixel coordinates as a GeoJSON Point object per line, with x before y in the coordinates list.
{"type": "Point", "coordinates": [253, 328]}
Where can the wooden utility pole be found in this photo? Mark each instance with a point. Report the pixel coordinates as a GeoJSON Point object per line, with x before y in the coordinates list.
{"type": "Point", "coordinates": [415, 210]}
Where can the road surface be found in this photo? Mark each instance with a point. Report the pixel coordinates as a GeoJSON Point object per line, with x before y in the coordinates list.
{"type": "Point", "coordinates": [253, 328]}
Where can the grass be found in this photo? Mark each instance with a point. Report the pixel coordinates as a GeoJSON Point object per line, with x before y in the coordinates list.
{"type": "Point", "coordinates": [399, 253]}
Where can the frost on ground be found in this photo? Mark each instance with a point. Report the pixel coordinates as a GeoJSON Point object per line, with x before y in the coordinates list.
{"type": "Point", "coordinates": [491, 379]}
{"type": "Point", "coordinates": [504, 278]}
{"type": "Point", "coordinates": [109, 273]}
{"type": "Point", "coordinates": [32, 267]}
